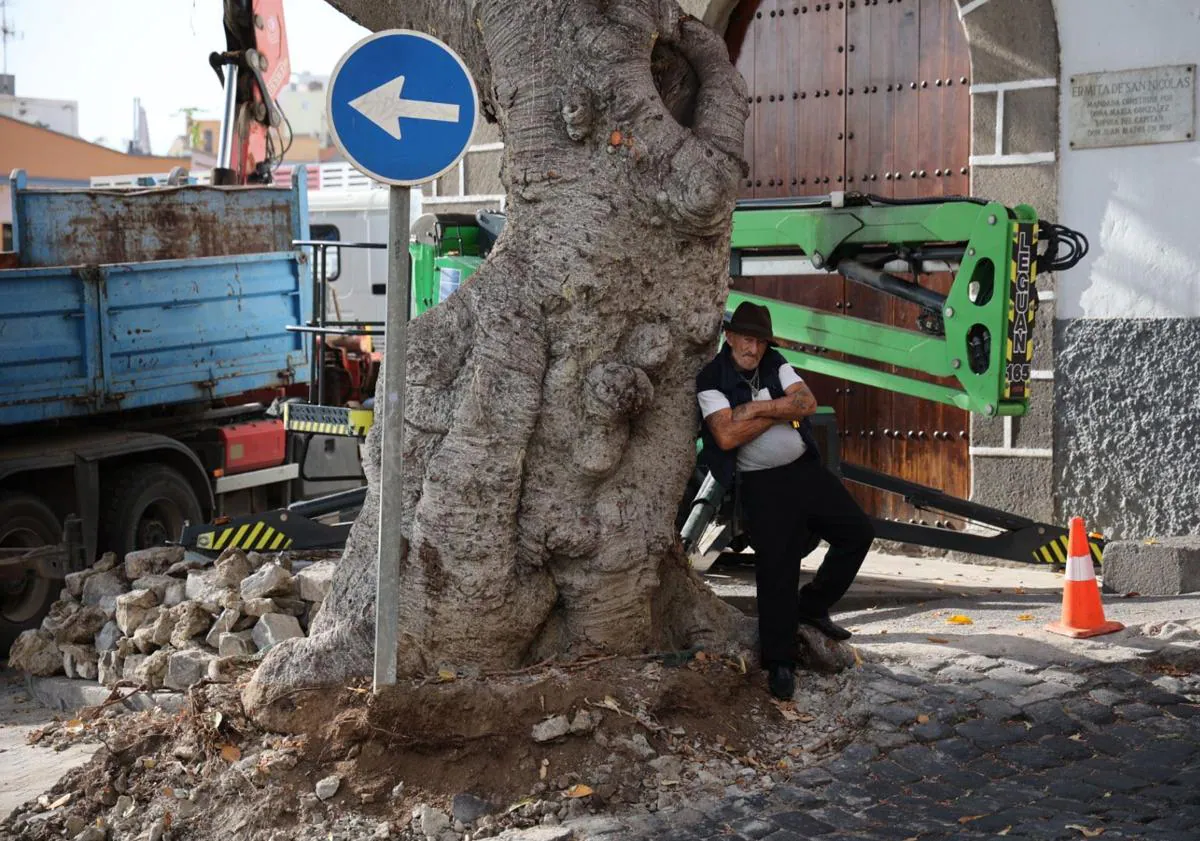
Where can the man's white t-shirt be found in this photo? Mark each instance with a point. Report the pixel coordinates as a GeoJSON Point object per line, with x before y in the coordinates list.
{"type": "Point", "coordinates": [779, 445]}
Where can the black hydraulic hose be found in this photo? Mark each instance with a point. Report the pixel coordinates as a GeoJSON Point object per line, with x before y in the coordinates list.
{"type": "Point", "coordinates": [1073, 244]}
{"type": "Point", "coordinates": [891, 285]}
{"type": "Point", "coordinates": [874, 199]}
{"type": "Point", "coordinates": [352, 498]}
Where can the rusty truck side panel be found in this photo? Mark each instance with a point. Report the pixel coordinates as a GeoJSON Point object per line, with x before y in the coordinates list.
{"type": "Point", "coordinates": [166, 307]}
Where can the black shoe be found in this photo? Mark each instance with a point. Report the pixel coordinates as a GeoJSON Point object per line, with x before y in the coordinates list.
{"type": "Point", "coordinates": [781, 681]}
{"type": "Point", "coordinates": [825, 625]}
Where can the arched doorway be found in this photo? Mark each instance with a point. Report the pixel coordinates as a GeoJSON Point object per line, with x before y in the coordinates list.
{"type": "Point", "coordinates": [868, 95]}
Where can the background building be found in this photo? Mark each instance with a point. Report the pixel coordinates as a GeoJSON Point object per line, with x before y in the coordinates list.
{"type": "Point", "coordinates": [61, 115]}
{"type": "Point", "coordinates": [934, 97]}
{"type": "Point", "coordinates": [53, 159]}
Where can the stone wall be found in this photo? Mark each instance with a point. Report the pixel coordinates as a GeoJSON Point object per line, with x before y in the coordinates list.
{"type": "Point", "coordinates": [1014, 160]}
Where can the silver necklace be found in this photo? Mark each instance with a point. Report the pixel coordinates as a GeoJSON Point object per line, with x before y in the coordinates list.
{"type": "Point", "coordinates": [751, 381]}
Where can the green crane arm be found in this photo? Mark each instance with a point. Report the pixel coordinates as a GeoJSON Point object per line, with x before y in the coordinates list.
{"type": "Point", "coordinates": [979, 334]}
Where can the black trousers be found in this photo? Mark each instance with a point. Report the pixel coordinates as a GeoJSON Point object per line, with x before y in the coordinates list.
{"type": "Point", "coordinates": [786, 508]}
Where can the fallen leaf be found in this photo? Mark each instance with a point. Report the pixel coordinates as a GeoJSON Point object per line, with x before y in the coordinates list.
{"type": "Point", "coordinates": [1020, 591]}
{"type": "Point", "coordinates": [922, 719]}
{"type": "Point", "coordinates": [522, 802]}
{"type": "Point", "coordinates": [701, 656]}
{"type": "Point", "coordinates": [937, 640]}
{"type": "Point", "coordinates": [231, 753]}
{"type": "Point", "coordinates": [969, 818]}
{"type": "Point", "coordinates": [960, 619]}
{"type": "Point", "coordinates": [578, 790]}
{"type": "Point", "coordinates": [1025, 617]}
{"type": "Point", "coordinates": [217, 719]}
{"type": "Point", "coordinates": [1088, 832]}
{"type": "Point", "coordinates": [446, 675]}
{"type": "Point", "coordinates": [788, 711]}
{"type": "Point", "coordinates": [614, 139]}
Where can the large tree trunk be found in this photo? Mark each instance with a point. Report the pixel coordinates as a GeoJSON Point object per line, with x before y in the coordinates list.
{"type": "Point", "coordinates": [550, 404]}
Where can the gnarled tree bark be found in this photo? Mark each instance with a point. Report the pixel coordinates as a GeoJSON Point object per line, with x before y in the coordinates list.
{"type": "Point", "coordinates": [550, 407]}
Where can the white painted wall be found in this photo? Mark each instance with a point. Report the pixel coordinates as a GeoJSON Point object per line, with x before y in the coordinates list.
{"type": "Point", "coordinates": [1138, 205]}
{"type": "Point", "coordinates": [303, 100]}
{"type": "Point", "coordinates": [61, 115]}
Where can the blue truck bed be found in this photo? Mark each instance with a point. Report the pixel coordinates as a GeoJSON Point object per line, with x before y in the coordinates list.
{"type": "Point", "coordinates": [127, 300]}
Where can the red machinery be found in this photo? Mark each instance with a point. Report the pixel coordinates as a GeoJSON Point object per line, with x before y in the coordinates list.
{"type": "Point", "coordinates": [254, 68]}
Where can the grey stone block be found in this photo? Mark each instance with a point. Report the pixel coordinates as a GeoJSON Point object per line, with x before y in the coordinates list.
{"type": "Point", "coordinates": [154, 561]}
{"type": "Point", "coordinates": [1168, 567]}
{"type": "Point", "coordinates": [269, 580]}
{"type": "Point", "coordinates": [1007, 46]}
{"type": "Point", "coordinates": [1035, 429]}
{"type": "Point", "coordinates": [185, 668]}
{"type": "Point", "coordinates": [1033, 184]}
{"type": "Point", "coordinates": [274, 628]}
{"type": "Point", "coordinates": [1014, 484]}
{"type": "Point", "coordinates": [103, 585]}
{"type": "Point", "coordinates": [169, 590]}
{"type": "Point", "coordinates": [314, 580]}
{"type": "Point", "coordinates": [66, 695]}
{"type": "Point", "coordinates": [1030, 121]}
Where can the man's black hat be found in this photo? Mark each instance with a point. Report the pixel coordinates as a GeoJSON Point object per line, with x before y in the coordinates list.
{"type": "Point", "coordinates": [751, 319]}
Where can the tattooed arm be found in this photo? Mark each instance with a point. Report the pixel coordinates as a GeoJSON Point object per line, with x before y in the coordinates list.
{"type": "Point", "coordinates": [733, 427]}
{"type": "Point", "coordinates": [796, 404]}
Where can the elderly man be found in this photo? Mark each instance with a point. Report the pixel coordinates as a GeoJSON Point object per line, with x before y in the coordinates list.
{"type": "Point", "coordinates": [756, 411]}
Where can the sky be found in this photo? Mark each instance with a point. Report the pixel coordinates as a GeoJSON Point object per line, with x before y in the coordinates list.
{"type": "Point", "coordinates": [103, 53]}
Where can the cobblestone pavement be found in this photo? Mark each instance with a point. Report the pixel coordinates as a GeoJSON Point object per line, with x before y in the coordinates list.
{"type": "Point", "coordinates": [982, 747]}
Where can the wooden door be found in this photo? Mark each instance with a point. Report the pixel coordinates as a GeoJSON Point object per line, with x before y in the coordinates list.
{"type": "Point", "coordinates": [872, 96]}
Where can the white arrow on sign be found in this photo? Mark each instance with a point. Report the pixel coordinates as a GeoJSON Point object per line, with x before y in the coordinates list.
{"type": "Point", "coordinates": [384, 107]}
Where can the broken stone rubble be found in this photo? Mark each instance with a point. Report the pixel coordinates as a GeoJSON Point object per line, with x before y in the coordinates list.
{"type": "Point", "coordinates": [269, 580]}
{"type": "Point", "coordinates": [132, 608]}
{"type": "Point", "coordinates": [166, 617]}
{"type": "Point", "coordinates": [274, 628]}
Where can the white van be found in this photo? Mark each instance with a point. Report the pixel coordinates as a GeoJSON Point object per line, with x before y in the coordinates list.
{"type": "Point", "coordinates": [357, 276]}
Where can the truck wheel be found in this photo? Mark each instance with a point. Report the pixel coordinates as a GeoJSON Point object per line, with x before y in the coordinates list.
{"type": "Point", "coordinates": [147, 505]}
{"type": "Point", "coordinates": [25, 523]}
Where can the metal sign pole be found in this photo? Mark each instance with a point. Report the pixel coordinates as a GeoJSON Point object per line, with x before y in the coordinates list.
{"type": "Point", "coordinates": [386, 85]}
{"type": "Point", "coordinates": [392, 547]}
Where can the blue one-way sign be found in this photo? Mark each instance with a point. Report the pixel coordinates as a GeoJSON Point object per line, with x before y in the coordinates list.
{"type": "Point", "coordinates": [402, 106]}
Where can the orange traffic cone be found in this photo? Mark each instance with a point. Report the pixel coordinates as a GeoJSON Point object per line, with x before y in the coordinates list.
{"type": "Point", "coordinates": [1082, 612]}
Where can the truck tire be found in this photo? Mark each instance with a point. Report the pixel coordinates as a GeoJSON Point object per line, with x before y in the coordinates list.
{"type": "Point", "coordinates": [147, 505]}
{"type": "Point", "coordinates": [25, 523]}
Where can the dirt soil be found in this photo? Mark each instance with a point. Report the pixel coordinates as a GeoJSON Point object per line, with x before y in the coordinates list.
{"type": "Point", "coordinates": [633, 733]}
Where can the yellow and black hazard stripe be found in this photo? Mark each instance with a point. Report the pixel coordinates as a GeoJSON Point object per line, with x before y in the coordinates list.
{"type": "Point", "coordinates": [327, 420]}
{"type": "Point", "coordinates": [257, 536]}
{"type": "Point", "coordinates": [1055, 552]}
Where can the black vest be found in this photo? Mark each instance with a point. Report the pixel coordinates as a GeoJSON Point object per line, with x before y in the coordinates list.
{"type": "Point", "coordinates": [721, 375]}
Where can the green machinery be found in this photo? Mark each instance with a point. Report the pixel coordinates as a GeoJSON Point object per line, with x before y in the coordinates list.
{"type": "Point", "coordinates": [980, 334]}
{"type": "Point", "coordinates": [976, 339]}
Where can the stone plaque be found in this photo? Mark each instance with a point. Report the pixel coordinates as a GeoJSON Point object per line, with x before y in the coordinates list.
{"type": "Point", "coordinates": [1132, 107]}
